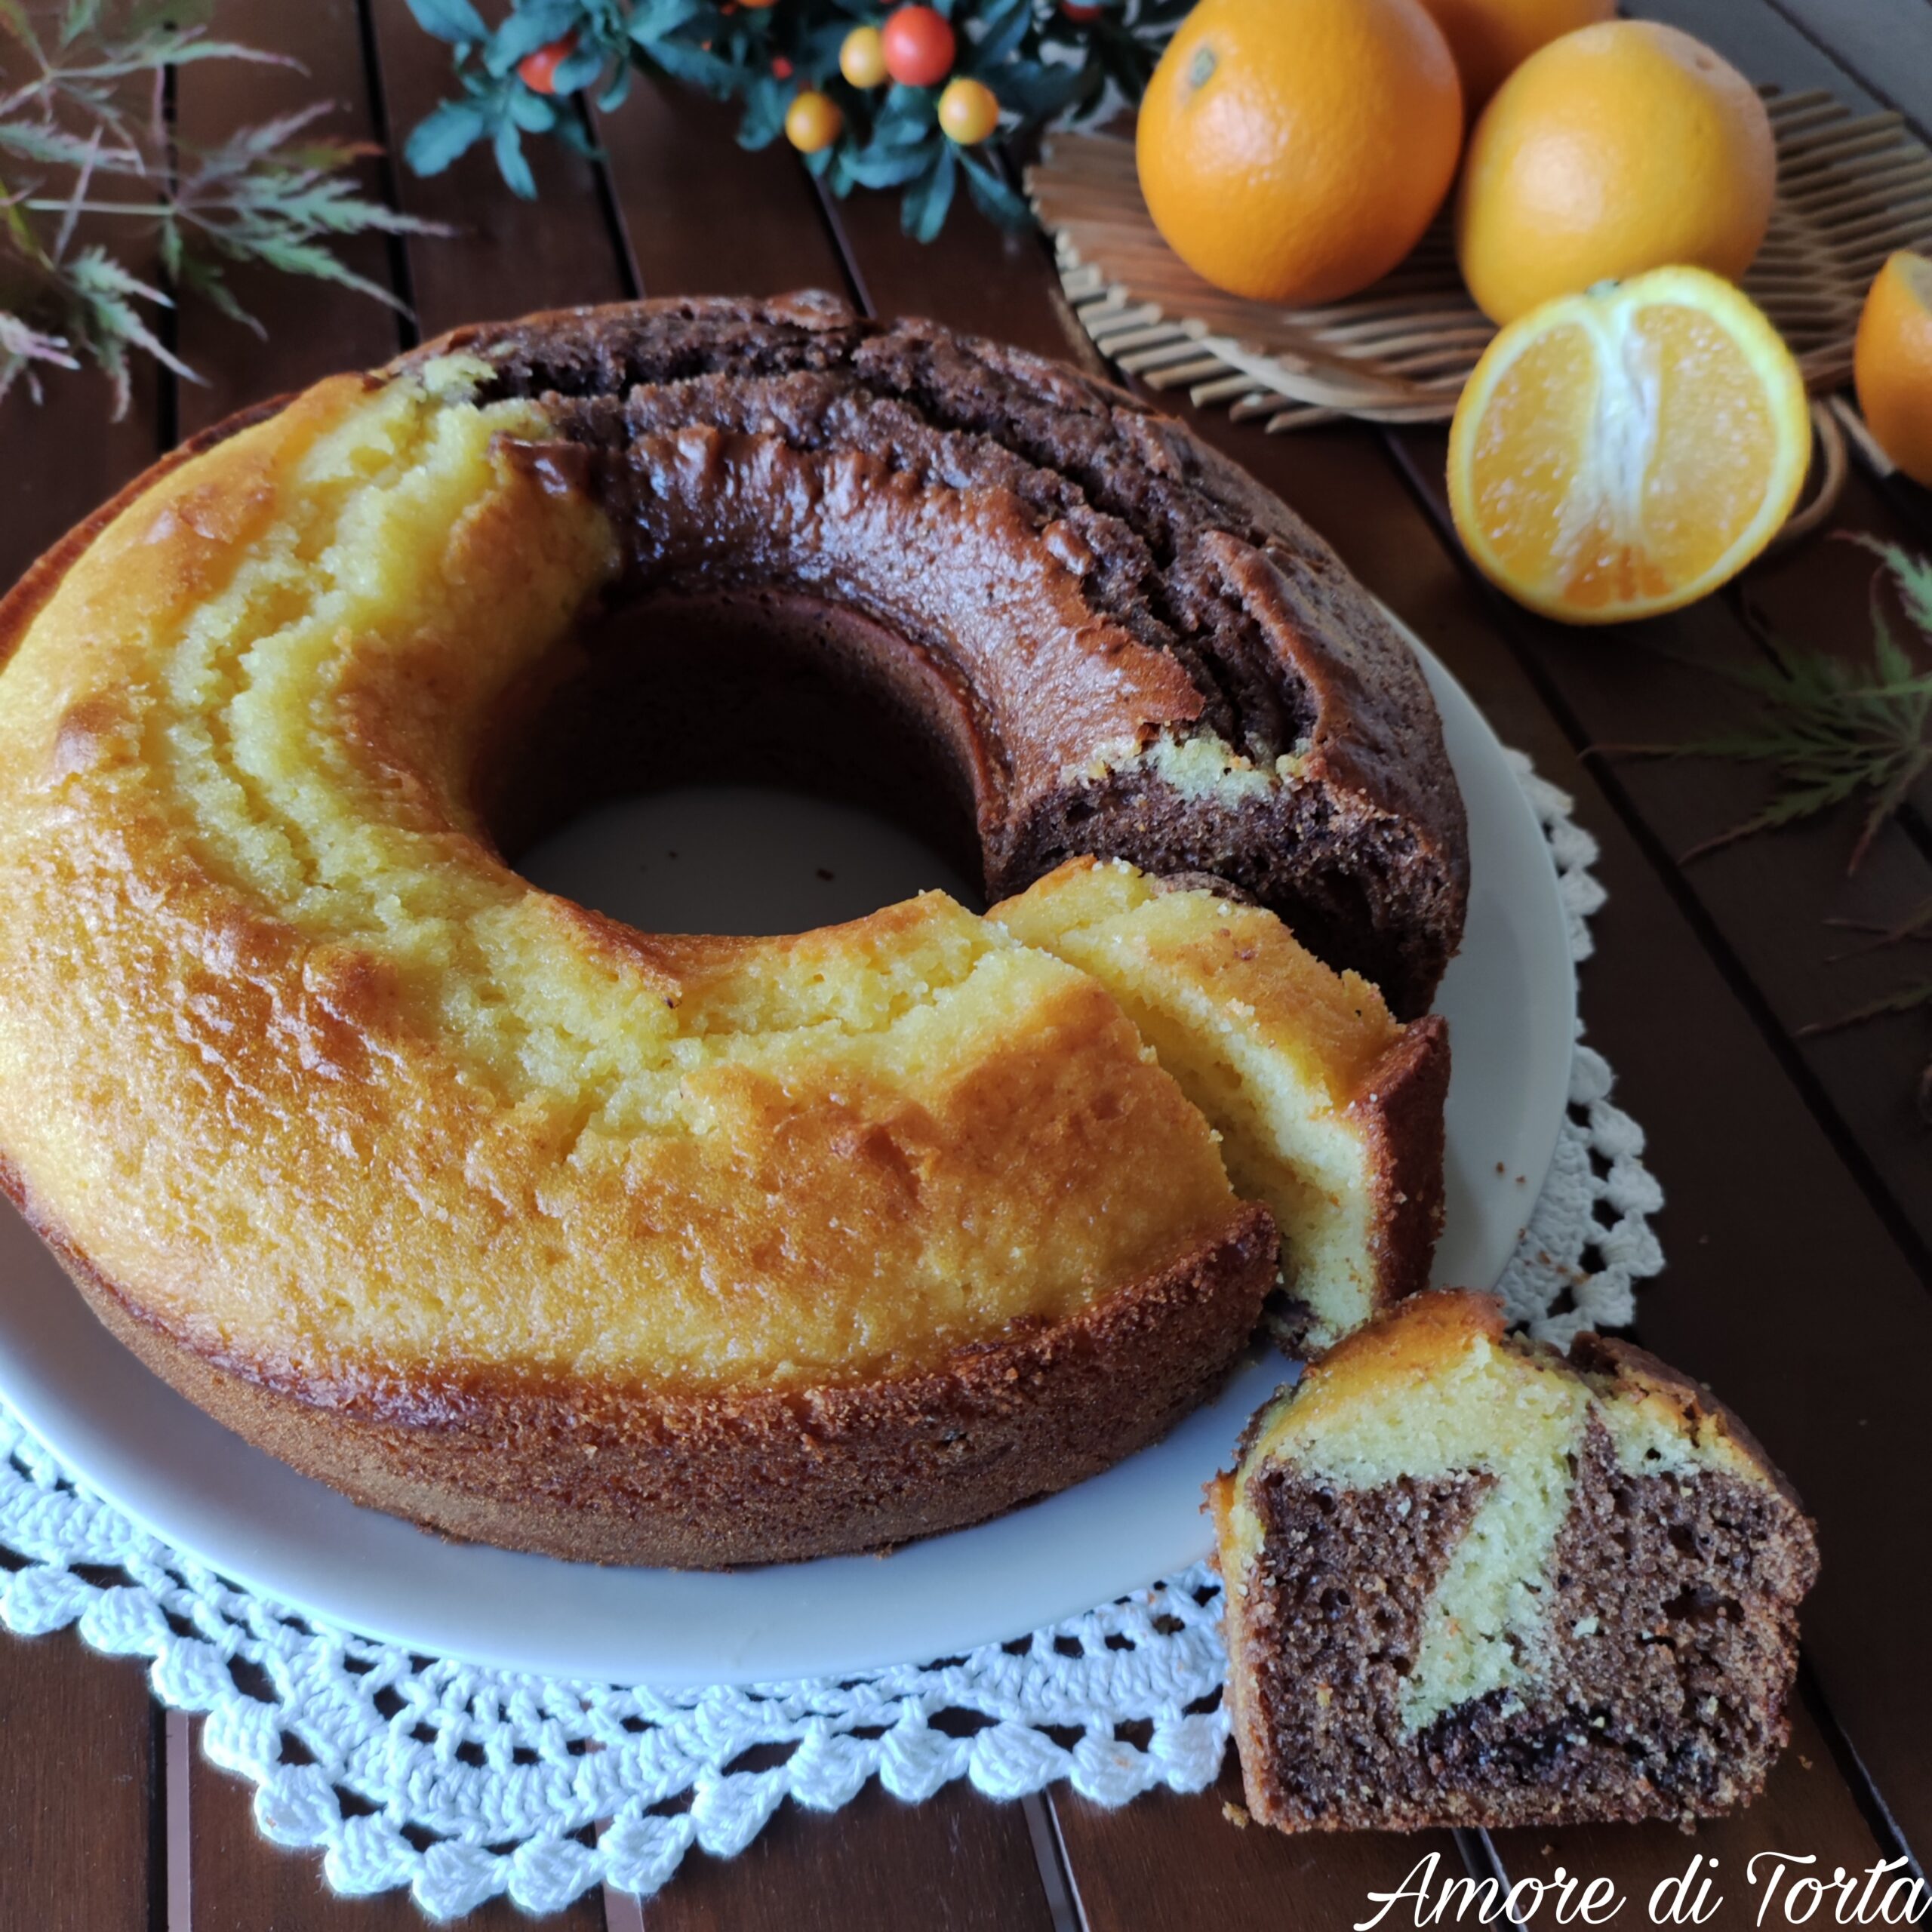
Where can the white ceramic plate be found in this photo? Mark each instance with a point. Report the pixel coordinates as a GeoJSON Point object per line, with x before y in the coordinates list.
{"type": "Point", "coordinates": [757, 862]}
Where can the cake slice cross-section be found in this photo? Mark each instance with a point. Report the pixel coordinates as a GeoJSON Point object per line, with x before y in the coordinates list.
{"type": "Point", "coordinates": [1473, 1582]}
{"type": "Point", "coordinates": [1328, 1109]}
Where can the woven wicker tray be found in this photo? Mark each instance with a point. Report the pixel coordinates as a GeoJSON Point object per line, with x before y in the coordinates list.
{"type": "Point", "coordinates": [1851, 188]}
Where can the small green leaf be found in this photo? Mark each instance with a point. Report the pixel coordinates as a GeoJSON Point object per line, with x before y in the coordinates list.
{"type": "Point", "coordinates": [511, 163]}
{"type": "Point", "coordinates": [445, 132]}
{"type": "Point", "coordinates": [454, 20]}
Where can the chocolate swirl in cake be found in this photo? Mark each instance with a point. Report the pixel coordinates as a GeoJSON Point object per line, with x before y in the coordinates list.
{"type": "Point", "coordinates": [1199, 687]}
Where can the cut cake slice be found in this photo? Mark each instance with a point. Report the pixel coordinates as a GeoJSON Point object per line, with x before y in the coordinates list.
{"type": "Point", "coordinates": [1470, 1582]}
{"type": "Point", "coordinates": [1329, 1109]}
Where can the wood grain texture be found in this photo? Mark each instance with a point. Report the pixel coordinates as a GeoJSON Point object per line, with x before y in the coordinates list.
{"type": "Point", "coordinates": [975, 278]}
{"type": "Point", "coordinates": [956, 1864]}
{"type": "Point", "coordinates": [1741, 1304]}
{"type": "Point", "coordinates": [1806, 1811]}
{"type": "Point", "coordinates": [76, 1778]}
{"type": "Point", "coordinates": [704, 216]}
{"type": "Point", "coordinates": [1785, 1289]}
{"type": "Point", "coordinates": [508, 256]}
{"type": "Point", "coordinates": [309, 328]}
{"type": "Point", "coordinates": [1165, 1860]}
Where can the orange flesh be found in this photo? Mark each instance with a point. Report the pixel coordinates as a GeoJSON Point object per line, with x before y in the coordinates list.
{"type": "Point", "coordinates": [1610, 470]}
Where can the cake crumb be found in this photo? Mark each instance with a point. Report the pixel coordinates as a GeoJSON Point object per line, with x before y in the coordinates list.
{"type": "Point", "coordinates": [1235, 1815]}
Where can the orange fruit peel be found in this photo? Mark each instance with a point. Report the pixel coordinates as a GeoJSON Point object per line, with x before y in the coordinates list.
{"type": "Point", "coordinates": [1619, 147]}
{"type": "Point", "coordinates": [1892, 362]}
{"type": "Point", "coordinates": [1622, 452]}
{"type": "Point", "coordinates": [1293, 150]}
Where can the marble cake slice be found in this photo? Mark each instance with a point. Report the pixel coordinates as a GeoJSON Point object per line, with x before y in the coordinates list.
{"type": "Point", "coordinates": [1471, 1582]}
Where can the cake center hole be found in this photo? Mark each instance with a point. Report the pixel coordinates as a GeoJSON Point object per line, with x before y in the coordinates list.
{"type": "Point", "coordinates": [737, 859]}
{"type": "Point", "coordinates": [737, 761]}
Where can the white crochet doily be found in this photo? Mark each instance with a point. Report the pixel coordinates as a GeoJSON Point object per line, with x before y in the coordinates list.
{"type": "Point", "coordinates": [461, 1782]}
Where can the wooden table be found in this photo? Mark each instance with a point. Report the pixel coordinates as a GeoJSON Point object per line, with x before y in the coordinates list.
{"type": "Point", "coordinates": [1799, 1176]}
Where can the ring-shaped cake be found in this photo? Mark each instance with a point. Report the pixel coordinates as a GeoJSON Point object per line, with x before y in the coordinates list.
{"type": "Point", "coordinates": [543, 1230]}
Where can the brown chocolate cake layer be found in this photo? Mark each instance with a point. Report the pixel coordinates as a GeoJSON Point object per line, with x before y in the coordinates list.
{"type": "Point", "coordinates": [1648, 1679]}
{"type": "Point", "coordinates": [910, 476]}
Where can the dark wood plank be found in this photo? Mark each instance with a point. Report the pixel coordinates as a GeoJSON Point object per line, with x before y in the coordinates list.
{"type": "Point", "coordinates": [66, 454]}
{"type": "Point", "coordinates": [973, 277]}
{"type": "Point", "coordinates": [1768, 899]}
{"type": "Point", "coordinates": [956, 1861]}
{"type": "Point", "coordinates": [309, 328]}
{"type": "Point", "coordinates": [242, 1883]}
{"type": "Point", "coordinates": [1886, 43]}
{"type": "Point", "coordinates": [510, 255]}
{"type": "Point", "coordinates": [704, 216]}
{"type": "Point", "coordinates": [76, 1776]}
{"type": "Point", "coordinates": [1167, 1861]}
{"type": "Point", "coordinates": [1806, 1811]}
{"type": "Point", "coordinates": [1766, 1229]}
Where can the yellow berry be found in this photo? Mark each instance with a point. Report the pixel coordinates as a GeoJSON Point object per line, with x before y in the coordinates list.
{"type": "Point", "coordinates": [812, 121]}
{"type": "Point", "coordinates": [862, 57]}
{"type": "Point", "coordinates": [968, 110]}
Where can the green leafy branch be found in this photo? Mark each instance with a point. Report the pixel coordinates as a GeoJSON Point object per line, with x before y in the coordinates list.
{"type": "Point", "coordinates": [1830, 729]}
{"type": "Point", "coordinates": [1042, 59]}
{"type": "Point", "coordinates": [84, 138]}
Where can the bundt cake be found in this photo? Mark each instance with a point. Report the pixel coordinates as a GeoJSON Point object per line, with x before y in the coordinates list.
{"type": "Point", "coordinates": [1470, 1584]}
{"type": "Point", "coordinates": [547, 1232]}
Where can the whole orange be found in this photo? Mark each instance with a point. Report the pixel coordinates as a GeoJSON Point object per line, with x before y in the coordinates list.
{"type": "Point", "coordinates": [1617, 149]}
{"type": "Point", "coordinates": [1294, 150]}
{"type": "Point", "coordinates": [1892, 363]}
{"type": "Point", "coordinates": [1491, 38]}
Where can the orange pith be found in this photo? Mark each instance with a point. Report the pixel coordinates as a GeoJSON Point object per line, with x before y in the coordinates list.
{"type": "Point", "coordinates": [1619, 453]}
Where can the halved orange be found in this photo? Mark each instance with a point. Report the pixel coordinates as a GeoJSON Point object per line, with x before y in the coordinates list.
{"type": "Point", "coordinates": [1621, 452]}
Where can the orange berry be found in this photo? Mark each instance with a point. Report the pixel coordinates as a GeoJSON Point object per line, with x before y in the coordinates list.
{"type": "Point", "coordinates": [1892, 363]}
{"type": "Point", "coordinates": [756, 6]}
{"type": "Point", "coordinates": [968, 110]}
{"type": "Point", "coordinates": [862, 57]}
{"type": "Point", "coordinates": [538, 71]}
{"type": "Point", "coordinates": [813, 121]}
{"type": "Point", "coordinates": [919, 46]}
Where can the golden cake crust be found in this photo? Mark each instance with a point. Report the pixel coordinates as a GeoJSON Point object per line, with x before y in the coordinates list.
{"type": "Point", "coordinates": [628, 1475]}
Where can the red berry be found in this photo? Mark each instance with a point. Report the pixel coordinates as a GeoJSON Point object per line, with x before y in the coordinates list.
{"type": "Point", "coordinates": [919, 46]}
{"type": "Point", "coordinates": [538, 71]}
{"type": "Point", "coordinates": [1080, 11]}
{"type": "Point", "coordinates": [781, 68]}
